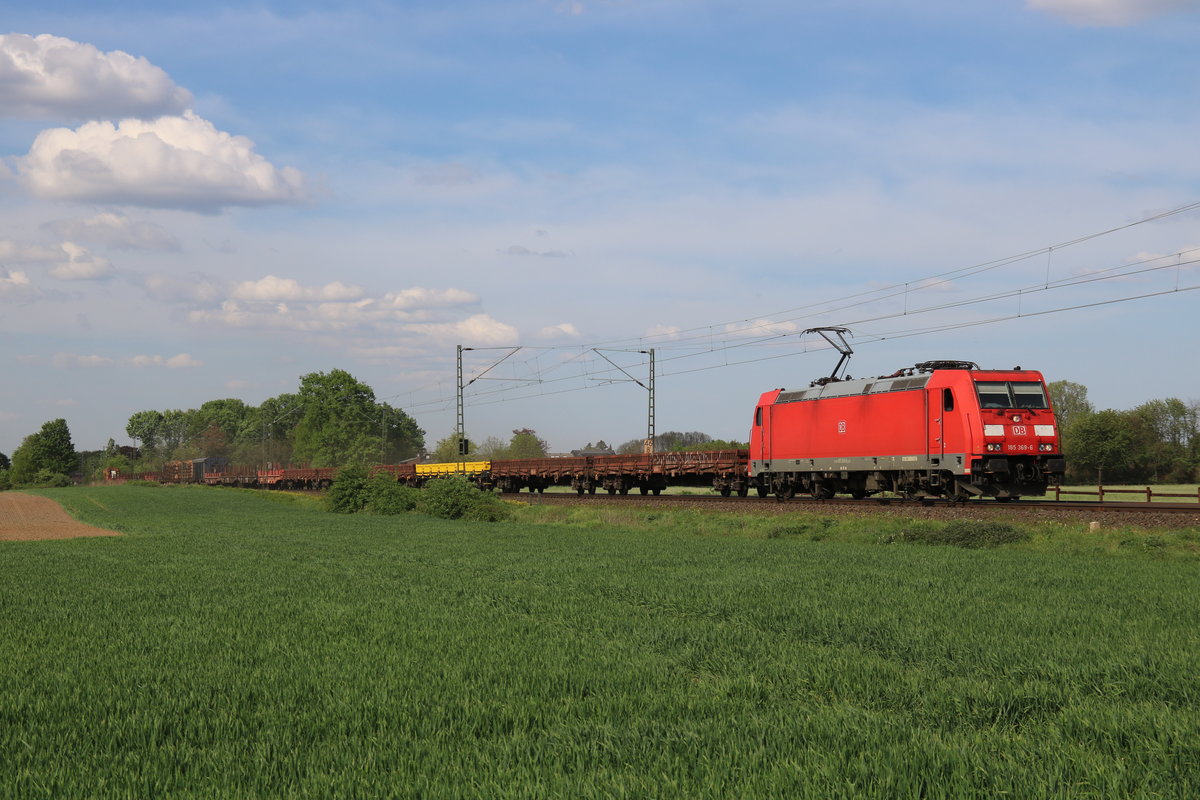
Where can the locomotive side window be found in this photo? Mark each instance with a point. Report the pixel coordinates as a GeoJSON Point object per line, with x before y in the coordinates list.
{"type": "Point", "coordinates": [947, 399]}
{"type": "Point", "coordinates": [758, 417]}
{"type": "Point", "coordinates": [993, 395]}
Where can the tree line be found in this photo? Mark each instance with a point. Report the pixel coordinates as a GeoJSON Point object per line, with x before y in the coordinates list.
{"type": "Point", "coordinates": [1156, 442]}
{"type": "Point", "coordinates": [332, 419]}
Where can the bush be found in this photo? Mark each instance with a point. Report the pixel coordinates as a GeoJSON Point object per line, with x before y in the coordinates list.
{"type": "Point", "coordinates": [961, 533]}
{"type": "Point", "coordinates": [348, 493]}
{"type": "Point", "coordinates": [49, 479]}
{"type": "Point", "coordinates": [386, 496]}
{"type": "Point", "coordinates": [5, 480]}
{"type": "Point", "coordinates": [455, 497]}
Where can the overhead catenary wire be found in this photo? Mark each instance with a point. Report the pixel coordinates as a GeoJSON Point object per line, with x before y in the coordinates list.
{"type": "Point", "coordinates": [780, 327]}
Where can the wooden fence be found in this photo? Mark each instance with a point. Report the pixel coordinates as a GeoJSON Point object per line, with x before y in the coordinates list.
{"type": "Point", "coordinates": [1149, 494]}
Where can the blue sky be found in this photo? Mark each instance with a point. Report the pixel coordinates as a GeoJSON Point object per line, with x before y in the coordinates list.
{"type": "Point", "coordinates": [203, 201]}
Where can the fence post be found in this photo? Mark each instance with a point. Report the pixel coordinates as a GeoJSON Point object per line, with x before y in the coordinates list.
{"type": "Point", "coordinates": [1149, 495]}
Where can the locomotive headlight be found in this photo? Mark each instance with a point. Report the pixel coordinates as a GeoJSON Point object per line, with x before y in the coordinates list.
{"type": "Point", "coordinates": [1045, 448]}
{"type": "Point", "coordinates": [994, 447]}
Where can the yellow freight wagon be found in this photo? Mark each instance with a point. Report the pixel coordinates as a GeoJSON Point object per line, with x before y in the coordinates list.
{"type": "Point", "coordinates": [454, 468]}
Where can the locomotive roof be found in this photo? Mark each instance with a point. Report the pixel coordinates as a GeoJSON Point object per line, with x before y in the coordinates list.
{"type": "Point", "coordinates": [916, 377]}
{"type": "Point", "coordinates": [854, 386]}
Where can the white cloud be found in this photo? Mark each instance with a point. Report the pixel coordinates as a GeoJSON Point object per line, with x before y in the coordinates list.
{"type": "Point", "coordinates": [20, 253]}
{"type": "Point", "coordinates": [181, 361]}
{"type": "Point", "coordinates": [171, 162]}
{"type": "Point", "coordinates": [74, 361]}
{"type": "Point", "coordinates": [564, 330]}
{"type": "Point", "coordinates": [49, 76]}
{"type": "Point", "coordinates": [479, 330]}
{"type": "Point", "coordinates": [15, 284]}
{"type": "Point", "coordinates": [420, 297]}
{"type": "Point", "coordinates": [1111, 12]}
{"type": "Point", "coordinates": [80, 265]}
{"type": "Point", "coordinates": [282, 303]}
{"type": "Point", "coordinates": [663, 332]}
{"type": "Point", "coordinates": [114, 230]}
{"type": "Point", "coordinates": [192, 288]}
{"type": "Point", "coordinates": [67, 261]}
{"type": "Point", "coordinates": [272, 289]}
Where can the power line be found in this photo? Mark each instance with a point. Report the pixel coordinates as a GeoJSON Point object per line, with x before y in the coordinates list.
{"type": "Point", "coordinates": [782, 327]}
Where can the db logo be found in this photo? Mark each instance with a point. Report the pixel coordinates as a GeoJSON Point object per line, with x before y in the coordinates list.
{"type": "Point", "coordinates": [841, 426]}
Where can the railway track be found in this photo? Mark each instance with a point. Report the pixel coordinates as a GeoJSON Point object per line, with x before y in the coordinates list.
{"type": "Point", "coordinates": [1140, 514]}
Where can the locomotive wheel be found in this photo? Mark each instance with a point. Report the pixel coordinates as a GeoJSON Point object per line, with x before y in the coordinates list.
{"type": "Point", "coordinates": [725, 491]}
{"type": "Point", "coordinates": [763, 491]}
{"type": "Point", "coordinates": [820, 492]}
{"type": "Point", "coordinates": [858, 494]}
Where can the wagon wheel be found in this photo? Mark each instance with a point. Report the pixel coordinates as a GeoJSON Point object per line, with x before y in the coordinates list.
{"type": "Point", "coordinates": [858, 494]}
{"type": "Point", "coordinates": [725, 491]}
{"type": "Point", "coordinates": [643, 490]}
{"type": "Point", "coordinates": [742, 492]}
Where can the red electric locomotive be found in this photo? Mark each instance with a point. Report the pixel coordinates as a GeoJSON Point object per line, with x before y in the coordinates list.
{"type": "Point", "coordinates": [939, 429]}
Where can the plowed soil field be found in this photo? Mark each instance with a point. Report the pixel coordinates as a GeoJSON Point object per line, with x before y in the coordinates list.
{"type": "Point", "coordinates": [26, 517]}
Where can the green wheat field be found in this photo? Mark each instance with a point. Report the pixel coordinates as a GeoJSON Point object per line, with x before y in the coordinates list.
{"type": "Point", "coordinates": [233, 645]}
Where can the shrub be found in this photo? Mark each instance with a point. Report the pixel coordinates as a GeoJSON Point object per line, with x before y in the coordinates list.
{"type": "Point", "coordinates": [386, 496]}
{"type": "Point", "coordinates": [49, 479]}
{"type": "Point", "coordinates": [348, 493]}
{"type": "Point", "coordinates": [5, 480]}
{"type": "Point", "coordinates": [454, 497]}
{"type": "Point", "coordinates": [814, 530]}
{"type": "Point", "coordinates": [961, 533]}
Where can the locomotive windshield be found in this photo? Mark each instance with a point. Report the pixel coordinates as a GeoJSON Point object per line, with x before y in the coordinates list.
{"type": "Point", "coordinates": [1011, 394]}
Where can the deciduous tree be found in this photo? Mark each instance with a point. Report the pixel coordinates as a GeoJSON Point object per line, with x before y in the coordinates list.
{"type": "Point", "coordinates": [525, 443]}
{"type": "Point", "coordinates": [1070, 402]}
{"type": "Point", "coordinates": [48, 450]}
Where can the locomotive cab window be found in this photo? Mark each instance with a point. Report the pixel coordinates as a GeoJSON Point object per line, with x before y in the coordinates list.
{"type": "Point", "coordinates": [1011, 394]}
{"type": "Point", "coordinates": [758, 416]}
{"type": "Point", "coordinates": [993, 395]}
{"type": "Point", "coordinates": [1029, 394]}
{"type": "Point", "coordinates": [947, 399]}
